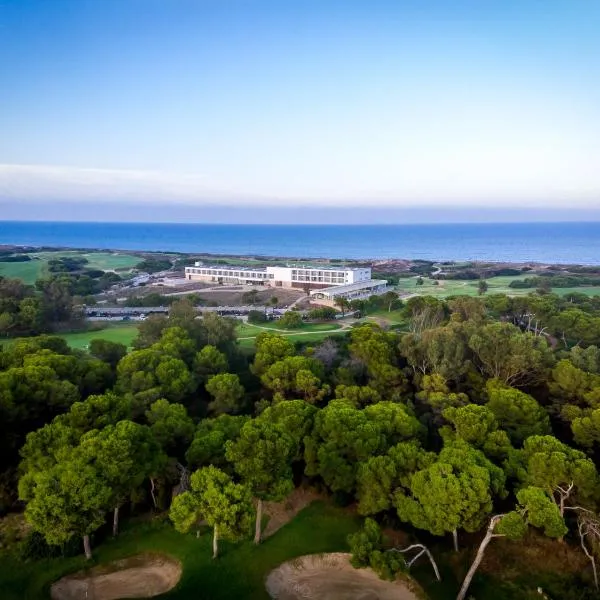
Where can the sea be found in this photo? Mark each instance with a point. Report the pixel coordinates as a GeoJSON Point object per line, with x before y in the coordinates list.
{"type": "Point", "coordinates": [556, 243]}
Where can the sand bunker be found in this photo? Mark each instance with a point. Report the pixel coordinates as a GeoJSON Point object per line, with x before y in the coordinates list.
{"type": "Point", "coordinates": [141, 576]}
{"type": "Point", "coordinates": [331, 577]}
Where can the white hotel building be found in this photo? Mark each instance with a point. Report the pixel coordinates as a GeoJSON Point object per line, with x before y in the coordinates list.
{"type": "Point", "coordinates": [325, 283]}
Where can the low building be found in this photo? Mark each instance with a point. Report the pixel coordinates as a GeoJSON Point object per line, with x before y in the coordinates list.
{"type": "Point", "coordinates": [290, 276]}
{"type": "Point", "coordinates": [352, 291]}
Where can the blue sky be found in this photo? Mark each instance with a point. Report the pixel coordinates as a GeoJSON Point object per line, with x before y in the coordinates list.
{"type": "Point", "coordinates": [405, 105]}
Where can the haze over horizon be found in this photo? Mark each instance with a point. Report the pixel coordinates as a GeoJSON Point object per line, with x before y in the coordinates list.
{"type": "Point", "coordinates": [266, 111]}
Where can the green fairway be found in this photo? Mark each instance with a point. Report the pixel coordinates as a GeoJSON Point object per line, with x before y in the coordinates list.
{"type": "Point", "coordinates": [250, 330]}
{"type": "Point", "coordinates": [496, 285]}
{"type": "Point", "coordinates": [451, 287]}
{"type": "Point", "coordinates": [311, 337]}
{"type": "Point", "coordinates": [239, 572]}
{"type": "Point", "coordinates": [308, 333]}
{"type": "Point", "coordinates": [394, 317]}
{"type": "Point", "coordinates": [123, 333]}
{"type": "Point", "coordinates": [28, 271]}
{"type": "Point", "coordinates": [241, 569]}
{"type": "Point", "coordinates": [106, 261]}
{"type": "Point", "coordinates": [593, 290]}
{"type": "Point", "coordinates": [32, 270]}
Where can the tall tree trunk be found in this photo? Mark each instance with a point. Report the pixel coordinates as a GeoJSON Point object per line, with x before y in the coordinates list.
{"type": "Point", "coordinates": [479, 557]}
{"type": "Point", "coordinates": [87, 548]}
{"type": "Point", "coordinates": [424, 550]}
{"type": "Point", "coordinates": [152, 488]}
{"type": "Point", "coordinates": [116, 521]}
{"type": "Point", "coordinates": [582, 533]}
{"type": "Point", "coordinates": [215, 542]}
{"type": "Point", "coordinates": [258, 524]}
{"type": "Point", "coordinates": [455, 540]}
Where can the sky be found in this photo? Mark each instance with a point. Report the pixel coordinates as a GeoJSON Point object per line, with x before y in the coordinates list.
{"type": "Point", "coordinates": [356, 111]}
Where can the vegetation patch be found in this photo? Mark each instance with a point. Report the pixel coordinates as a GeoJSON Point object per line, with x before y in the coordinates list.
{"type": "Point", "coordinates": [121, 333]}
{"type": "Point", "coordinates": [28, 272]}
{"type": "Point", "coordinates": [239, 572]}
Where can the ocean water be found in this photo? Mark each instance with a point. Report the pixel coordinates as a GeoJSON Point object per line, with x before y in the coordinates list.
{"type": "Point", "coordinates": [511, 242]}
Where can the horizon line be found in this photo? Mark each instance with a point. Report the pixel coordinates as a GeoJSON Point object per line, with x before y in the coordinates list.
{"type": "Point", "coordinates": [236, 224]}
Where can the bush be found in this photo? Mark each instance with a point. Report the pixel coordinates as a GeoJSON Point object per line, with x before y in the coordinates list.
{"type": "Point", "coordinates": [325, 313]}
{"type": "Point", "coordinates": [153, 265]}
{"type": "Point", "coordinates": [257, 316]}
{"type": "Point", "coordinates": [35, 547]}
{"type": "Point", "coordinates": [291, 320]}
{"type": "Point", "coordinates": [367, 548]}
{"type": "Point", "coordinates": [15, 258]}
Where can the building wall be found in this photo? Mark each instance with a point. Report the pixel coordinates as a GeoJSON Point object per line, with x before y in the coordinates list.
{"type": "Point", "coordinates": [297, 277]}
{"type": "Point", "coordinates": [225, 275]}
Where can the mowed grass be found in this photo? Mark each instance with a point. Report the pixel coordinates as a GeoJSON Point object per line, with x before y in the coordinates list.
{"type": "Point", "coordinates": [248, 344]}
{"type": "Point", "coordinates": [394, 317]}
{"type": "Point", "coordinates": [450, 287]}
{"type": "Point", "coordinates": [250, 330]}
{"type": "Point", "coordinates": [496, 285]}
{"type": "Point", "coordinates": [512, 572]}
{"type": "Point", "coordinates": [32, 270]}
{"type": "Point", "coordinates": [239, 572]}
{"type": "Point", "coordinates": [107, 261]}
{"type": "Point", "coordinates": [122, 333]}
{"type": "Point", "coordinates": [308, 333]}
{"type": "Point", "coordinates": [28, 272]}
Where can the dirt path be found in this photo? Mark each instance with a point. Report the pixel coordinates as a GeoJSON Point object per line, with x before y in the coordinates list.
{"type": "Point", "coordinates": [280, 513]}
{"type": "Point", "coordinates": [285, 332]}
{"type": "Point", "coordinates": [141, 576]}
{"type": "Point", "coordinates": [331, 577]}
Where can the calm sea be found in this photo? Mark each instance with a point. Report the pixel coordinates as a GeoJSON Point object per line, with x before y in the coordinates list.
{"type": "Point", "coordinates": [513, 242]}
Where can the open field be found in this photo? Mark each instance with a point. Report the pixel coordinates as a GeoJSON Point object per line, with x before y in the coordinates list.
{"type": "Point", "coordinates": [247, 344]}
{"type": "Point", "coordinates": [36, 268]}
{"type": "Point", "coordinates": [107, 261]}
{"type": "Point", "coordinates": [28, 271]}
{"type": "Point", "coordinates": [247, 329]}
{"type": "Point", "coordinates": [309, 333]}
{"type": "Point", "coordinates": [122, 333]}
{"type": "Point", "coordinates": [393, 317]}
{"type": "Point", "coordinates": [496, 285]}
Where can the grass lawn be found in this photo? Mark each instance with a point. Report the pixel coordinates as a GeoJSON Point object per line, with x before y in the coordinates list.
{"type": "Point", "coordinates": [496, 285]}
{"type": "Point", "coordinates": [308, 333]}
{"type": "Point", "coordinates": [28, 271]}
{"type": "Point", "coordinates": [123, 333]}
{"type": "Point", "coordinates": [394, 316]}
{"type": "Point", "coordinates": [247, 344]}
{"type": "Point", "coordinates": [106, 261]}
{"type": "Point", "coordinates": [249, 330]}
{"type": "Point", "coordinates": [240, 571]}
{"type": "Point", "coordinates": [513, 571]}
{"type": "Point", "coordinates": [593, 290]}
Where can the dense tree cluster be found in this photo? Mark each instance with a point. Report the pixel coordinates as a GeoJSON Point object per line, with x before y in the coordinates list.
{"type": "Point", "coordinates": [484, 416]}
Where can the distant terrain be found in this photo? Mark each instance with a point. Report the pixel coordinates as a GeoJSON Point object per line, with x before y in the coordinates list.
{"type": "Point", "coordinates": [441, 279]}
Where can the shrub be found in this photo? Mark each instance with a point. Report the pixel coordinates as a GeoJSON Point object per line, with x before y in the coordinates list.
{"type": "Point", "coordinates": [291, 320]}
{"type": "Point", "coordinates": [257, 316]}
{"type": "Point", "coordinates": [324, 313]}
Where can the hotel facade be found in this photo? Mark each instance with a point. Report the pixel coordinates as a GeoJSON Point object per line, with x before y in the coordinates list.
{"type": "Point", "coordinates": [332, 282]}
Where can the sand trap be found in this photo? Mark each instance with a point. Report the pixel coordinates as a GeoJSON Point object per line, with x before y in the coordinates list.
{"type": "Point", "coordinates": [281, 513]}
{"type": "Point", "coordinates": [331, 577]}
{"type": "Point", "coordinates": [141, 576]}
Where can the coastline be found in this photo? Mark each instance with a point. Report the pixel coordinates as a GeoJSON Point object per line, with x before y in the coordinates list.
{"type": "Point", "coordinates": [515, 243]}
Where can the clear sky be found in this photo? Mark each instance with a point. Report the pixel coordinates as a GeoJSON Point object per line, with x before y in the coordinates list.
{"type": "Point", "coordinates": [404, 105]}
